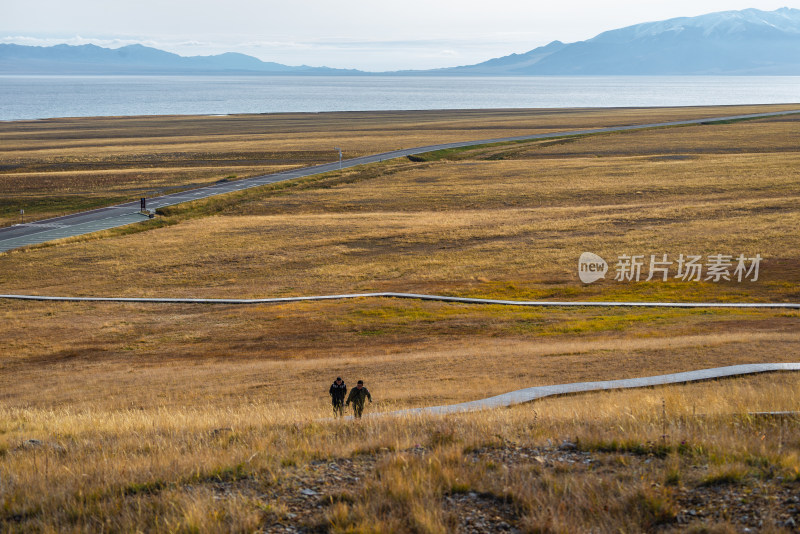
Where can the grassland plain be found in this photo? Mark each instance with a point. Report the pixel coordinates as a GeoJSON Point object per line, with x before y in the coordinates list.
{"type": "Point", "coordinates": [57, 166]}
{"type": "Point", "coordinates": [185, 418]}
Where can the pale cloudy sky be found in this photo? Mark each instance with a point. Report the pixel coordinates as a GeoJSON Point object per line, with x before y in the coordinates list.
{"type": "Point", "coordinates": [364, 34]}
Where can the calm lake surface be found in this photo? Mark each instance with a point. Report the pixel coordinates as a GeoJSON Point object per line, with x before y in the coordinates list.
{"type": "Point", "coordinates": [37, 97]}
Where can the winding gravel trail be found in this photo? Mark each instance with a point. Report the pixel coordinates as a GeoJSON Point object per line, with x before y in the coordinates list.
{"type": "Point", "coordinates": [413, 296]}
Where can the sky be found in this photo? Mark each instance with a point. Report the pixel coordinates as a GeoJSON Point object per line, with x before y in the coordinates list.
{"type": "Point", "coordinates": [374, 35]}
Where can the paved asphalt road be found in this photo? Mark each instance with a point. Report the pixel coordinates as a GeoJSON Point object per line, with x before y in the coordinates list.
{"type": "Point", "coordinates": [86, 222]}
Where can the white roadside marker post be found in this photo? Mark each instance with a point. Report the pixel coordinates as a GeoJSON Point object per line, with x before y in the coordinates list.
{"type": "Point", "coordinates": [340, 156]}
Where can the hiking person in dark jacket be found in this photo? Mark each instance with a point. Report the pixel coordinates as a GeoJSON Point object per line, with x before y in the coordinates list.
{"type": "Point", "coordinates": [337, 391]}
{"type": "Point", "coordinates": [357, 396]}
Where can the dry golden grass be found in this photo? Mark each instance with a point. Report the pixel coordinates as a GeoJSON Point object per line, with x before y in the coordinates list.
{"type": "Point", "coordinates": [238, 467]}
{"type": "Point", "coordinates": [509, 228]}
{"type": "Point", "coordinates": [57, 166]}
{"type": "Point", "coordinates": [126, 398]}
{"type": "Point", "coordinates": [411, 354]}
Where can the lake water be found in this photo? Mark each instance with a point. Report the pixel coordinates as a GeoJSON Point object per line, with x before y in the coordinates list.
{"type": "Point", "coordinates": [36, 97]}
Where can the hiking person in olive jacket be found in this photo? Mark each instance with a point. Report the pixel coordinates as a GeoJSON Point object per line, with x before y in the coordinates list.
{"type": "Point", "coordinates": [357, 396]}
{"type": "Point", "coordinates": [338, 390]}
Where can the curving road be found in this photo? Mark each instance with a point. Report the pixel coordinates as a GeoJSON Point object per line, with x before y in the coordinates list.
{"type": "Point", "coordinates": [21, 235]}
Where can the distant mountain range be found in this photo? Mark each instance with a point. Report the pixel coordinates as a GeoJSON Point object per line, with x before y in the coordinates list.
{"type": "Point", "coordinates": [747, 42]}
{"type": "Point", "coordinates": [730, 42]}
{"type": "Point", "coordinates": [137, 59]}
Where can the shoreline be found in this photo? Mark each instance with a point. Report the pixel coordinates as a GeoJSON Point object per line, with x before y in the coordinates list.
{"type": "Point", "coordinates": [181, 116]}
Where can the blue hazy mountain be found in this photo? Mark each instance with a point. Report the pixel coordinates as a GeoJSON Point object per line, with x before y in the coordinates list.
{"type": "Point", "coordinates": [136, 59]}
{"type": "Point", "coordinates": [729, 42]}
{"type": "Point", "coordinates": [515, 64]}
